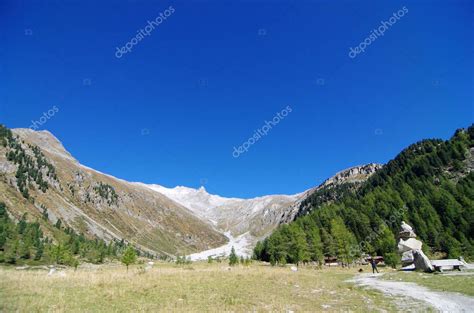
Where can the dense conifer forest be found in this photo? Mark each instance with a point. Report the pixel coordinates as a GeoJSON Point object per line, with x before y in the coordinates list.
{"type": "Point", "coordinates": [429, 185]}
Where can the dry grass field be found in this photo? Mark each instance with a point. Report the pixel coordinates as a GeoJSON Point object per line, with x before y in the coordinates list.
{"type": "Point", "coordinates": [199, 287]}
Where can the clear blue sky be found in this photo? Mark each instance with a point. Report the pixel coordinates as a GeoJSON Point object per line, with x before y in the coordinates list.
{"type": "Point", "coordinates": [171, 110]}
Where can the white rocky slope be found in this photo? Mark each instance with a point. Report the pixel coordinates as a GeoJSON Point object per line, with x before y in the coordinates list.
{"type": "Point", "coordinates": [243, 221]}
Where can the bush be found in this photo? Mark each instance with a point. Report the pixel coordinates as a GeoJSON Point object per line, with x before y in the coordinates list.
{"type": "Point", "coordinates": [391, 259]}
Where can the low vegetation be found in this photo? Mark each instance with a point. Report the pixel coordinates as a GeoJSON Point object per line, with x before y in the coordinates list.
{"type": "Point", "coordinates": [106, 192]}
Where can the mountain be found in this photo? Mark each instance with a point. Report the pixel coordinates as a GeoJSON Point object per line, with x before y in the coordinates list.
{"type": "Point", "coordinates": [37, 173]}
{"type": "Point", "coordinates": [245, 221]}
{"type": "Point", "coordinates": [336, 187]}
{"type": "Point", "coordinates": [40, 177]}
{"type": "Point", "coordinates": [233, 214]}
{"type": "Point", "coordinates": [429, 185]}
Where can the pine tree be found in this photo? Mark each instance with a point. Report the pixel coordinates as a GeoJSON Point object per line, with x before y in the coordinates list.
{"type": "Point", "coordinates": [22, 224]}
{"type": "Point", "coordinates": [344, 239]}
{"type": "Point", "coordinates": [129, 257]}
{"type": "Point", "coordinates": [39, 252]}
{"type": "Point", "coordinates": [314, 244]}
{"type": "Point", "coordinates": [298, 250]}
{"type": "Point", "coordinates": [233, 258]}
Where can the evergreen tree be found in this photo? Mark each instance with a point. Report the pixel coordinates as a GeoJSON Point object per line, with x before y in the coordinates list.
{"type": "Point", "coordinates": [233, 258]}
{"type": "Point", "coordinates": [298, 249]}
{"type": "Point", "coordinates": [315, 246]}
{"type": "Point", "coordinates": [129, 256]}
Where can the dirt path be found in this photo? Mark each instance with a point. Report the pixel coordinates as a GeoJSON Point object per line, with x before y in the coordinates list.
{"type": "Point", "coordinates": [412, 294]}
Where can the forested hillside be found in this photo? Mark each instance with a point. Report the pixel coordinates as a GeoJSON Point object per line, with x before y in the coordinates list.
{"type": "Point", "coordinates": [430, 185]}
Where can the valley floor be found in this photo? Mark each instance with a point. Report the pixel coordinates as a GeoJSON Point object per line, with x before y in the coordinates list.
{"type": "Point", "coordinates": [199, 287]}
{"type": "Point", "coordinates": [203, 287]}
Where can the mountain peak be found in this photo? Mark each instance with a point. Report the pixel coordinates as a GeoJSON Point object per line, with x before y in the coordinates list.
{"type": "Point", "coordinates": [353, 174]}
{"type": "Point", "coordinates": [45, 140]}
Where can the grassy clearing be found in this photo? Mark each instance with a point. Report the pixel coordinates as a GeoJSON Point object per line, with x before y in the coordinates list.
{"type": "Point", "coordinates": [441, 282]}
{"type": "Point", "coordinates": [196, 288]}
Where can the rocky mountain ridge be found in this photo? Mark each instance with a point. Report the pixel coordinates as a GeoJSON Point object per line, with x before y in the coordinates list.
{"type": "Point", "coordinates": [352, 175]}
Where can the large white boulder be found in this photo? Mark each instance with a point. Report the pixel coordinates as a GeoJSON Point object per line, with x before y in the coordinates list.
{"type": "Point", "coordinates": [409, 245]}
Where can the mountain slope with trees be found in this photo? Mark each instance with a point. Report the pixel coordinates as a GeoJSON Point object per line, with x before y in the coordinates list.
{"type": "Point", "coordinates": [38, 176]}
{"type": "Point", "coordinates": [24, 242]}
{"type": "Point", "coordinates": [430, 185]}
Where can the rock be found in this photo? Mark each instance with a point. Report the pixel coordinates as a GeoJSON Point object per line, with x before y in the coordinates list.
{"type": "Point", "coordinates": [406, 235]}
{"type": "Point", "coordinates": [151, 263]}
{"type": "Point", "coordinates": [407, 231]}
{"type": "Point", "coordinates": [422, 262]}
{"type": "Point", "coordinates": [408, 258]}
{"type": "Point", "coordinates": [410, 267]}
{"type": "Point", "coordinates": [22, 267]}
{"type": "Point", "coordinates": [294, 269]}
{"type": "Point", "coordinates": [51, 271]}
{"type": "Point", "coordinates": [406, 227]}
{"type": "Point", "coordinates": [409, 245]}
